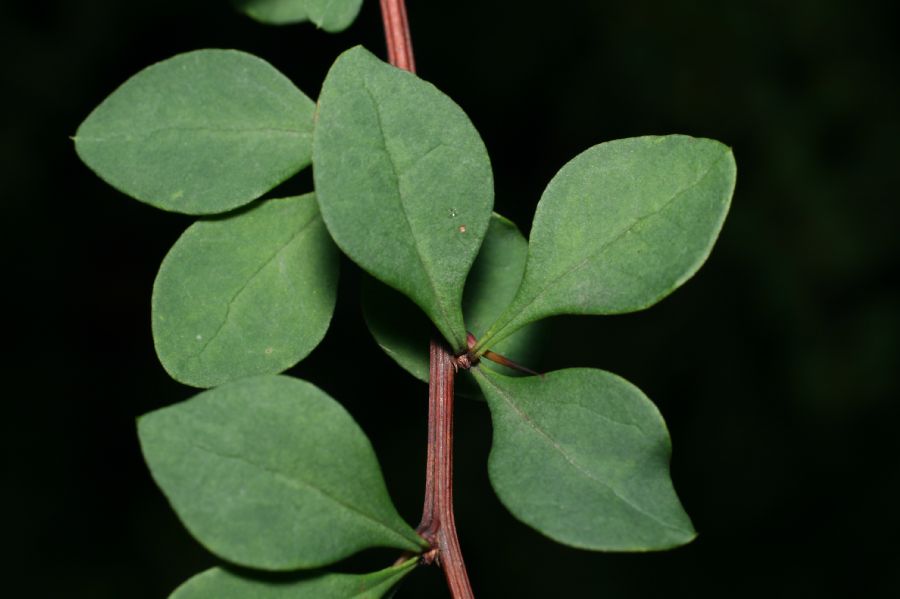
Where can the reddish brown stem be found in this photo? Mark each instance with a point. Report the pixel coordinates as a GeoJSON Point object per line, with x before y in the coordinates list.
{"type": "Point", "coordinates": [438, 525]}
{"type": "Point", "coordinates": [396, 32]}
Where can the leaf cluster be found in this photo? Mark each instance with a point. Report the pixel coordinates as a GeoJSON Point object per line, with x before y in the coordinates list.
{"type": "Point", "coordinates": [269, 472]}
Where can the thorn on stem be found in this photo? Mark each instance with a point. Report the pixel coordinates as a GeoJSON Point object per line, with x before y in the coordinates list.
{"type": "Point", "coordinates": [504, 361]}
{"type": "Point", "coordinates": [471, 341]}
{"type": "Point", "coordinates": [429, 557]}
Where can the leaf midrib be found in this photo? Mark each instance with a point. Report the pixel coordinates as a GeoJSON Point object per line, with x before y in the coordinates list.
{"type": "Point", "coordinates": [145, 134]}
{"type": "Point", "coordinates": [419, 254]}
{"type": "Point", "coordinates": [303, 229]}
{"type": "Point", "coordinates": [298, 482]}
{"type": "Point", "coordinates": [550, 284]}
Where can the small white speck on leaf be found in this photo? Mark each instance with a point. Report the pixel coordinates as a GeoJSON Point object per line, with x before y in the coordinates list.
{"type": "Point", "coordinates": [462, 228]}
{"type": "Point", "coordinates": [269, 350]}
{"type": "Point", "coordinates": [199, 337]}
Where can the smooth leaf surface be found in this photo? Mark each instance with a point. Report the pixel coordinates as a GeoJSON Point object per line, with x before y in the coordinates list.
{"type": "Point", "coordinates": [219, 583]}
{"type": "Point", "coordinates": [583, 456]}
{"type": "Point", "coordinates": [272, 473]}
{"type": "Point", "coordinates": [398, 326]}
{"type": "Point", "coordinates": [250, 293]}
{"type": "Point", "coordinates": [201, 133]}
{"type": "Point", "coordinates": [403, 332]}
{"type": "Point", "coordinates": [404, 182]}
{"type": "Point", "coordinates": [330, 15]}
{"type": "Point", "coordinates": [621, 226]}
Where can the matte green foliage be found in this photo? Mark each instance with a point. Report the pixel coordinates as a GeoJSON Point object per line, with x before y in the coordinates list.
{"type": "Point", "coordinates": [200, 133]}
{"type": "Point", "coordinates": [271, 473]}
{"type": "Point", "coordinates": [621, 226]}
{"type": "Point", "coordinates": [583, 456]}
{"type": "Point", "coordinates": [268, 471]}
{"type": "Point", "coordinates": [404, 182]}
{"type": "Point", "coordinates": [218, 583]}
{"type": "Point", "coordinates": [330, 15]}
{"type": "Point", "coordinates": [250, 293]}
{"type": "Point", "coordinates": [492, 283]}
{"type": "Point", "coordinates": [403, 332]}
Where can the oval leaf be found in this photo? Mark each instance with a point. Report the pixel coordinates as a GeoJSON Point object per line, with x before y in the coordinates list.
{"type": "Point", "coordinates": [403, 332]}
{"type": "Point", "coordinates": [330, 15]}
{"type": "Point", "coordinates": [252, 293]}
{"type": "Point", "coordinates": [218, 583]}
{"type": "Point", "coordinates": [621, 226]}
{"type": "Point", "coordinates": [272, 473]}
{"type": "Point", "coordinates": [200, 133]}
{"type": "Point", "coordinates": [403, 181]}
{"type": "Point", "coordinates": [583, 456]}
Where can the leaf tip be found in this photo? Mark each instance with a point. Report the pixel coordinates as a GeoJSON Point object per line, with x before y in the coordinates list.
{"type": "Point", "coordinates": [687, 536]}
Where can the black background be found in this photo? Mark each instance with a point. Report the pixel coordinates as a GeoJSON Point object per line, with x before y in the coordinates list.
{"type": "Point", "coordinates": [776, 367]}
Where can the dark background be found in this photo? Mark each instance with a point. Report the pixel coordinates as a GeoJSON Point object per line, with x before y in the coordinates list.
{"type": "Point", "coordinates": [776, 367]}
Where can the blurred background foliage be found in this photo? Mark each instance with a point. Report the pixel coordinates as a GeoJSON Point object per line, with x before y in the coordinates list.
{"type": "Point", "coordinates": [776, 367]}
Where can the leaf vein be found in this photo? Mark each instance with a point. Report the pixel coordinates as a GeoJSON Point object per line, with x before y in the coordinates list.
{"type": "Point", "coordinates": [303, 229]}
{"type": "Point", "coordinates": [147, 134]}
{"type": "Point", "coordinates": [297, 482]}
{"type": "Point", "coordinates": [397, 177]}
{"type": "Point", "coordinates": [580, 264]}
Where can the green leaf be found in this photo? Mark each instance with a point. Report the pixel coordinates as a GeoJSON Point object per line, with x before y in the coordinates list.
{"type": "Point", "coordinates": [200, 133]}
{"type": "Point", "coordinates": [583, 456]}
{"type": "Point", "coordinates": [272, 473]}
{"type": "Point", "coordinates": [218, 583]}
{"type": "Point", "coordinates": [402, 331]}
{"type": "Point", "coordinates": [404, 183]}
{"type": "Point", "coordinates": [250, 293]}
{"type": "Point", "coordinates": [492, 284]}
{"type": "Point", "coordinates": [398, 326]}
{"type": "Point", "coordinates": [621, 226]}
{"type": "Point", "coordinates": [330, 15]}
